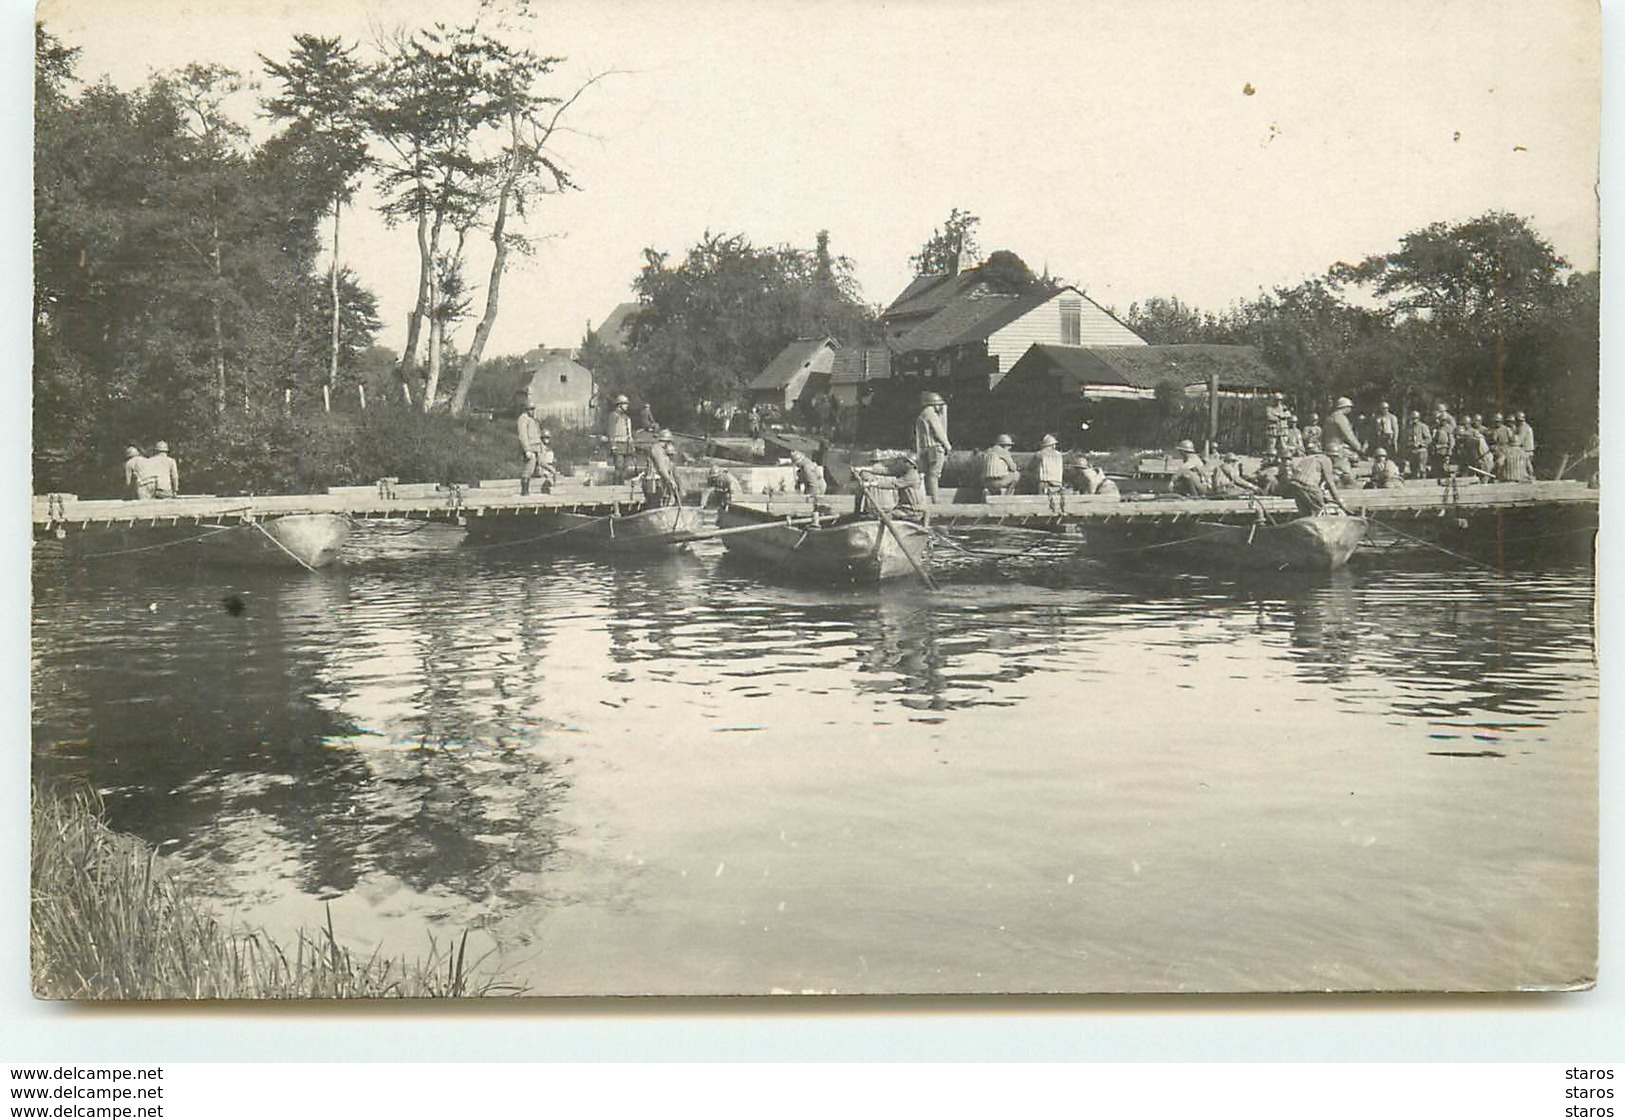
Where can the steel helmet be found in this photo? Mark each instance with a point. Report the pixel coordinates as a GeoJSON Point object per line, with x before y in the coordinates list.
{"type": "Point", "coordinates": [931, 398]}
{"type": "Point", "coordinates": [131, 452]}
{"type": "Point", "coordinates": [1184, 445]}
{"type": "Point", "coordinates": [1382, 453]}
{"type": "Point", "coordinates": [664, 435]}
{"type": "Point", "coordinates": [160, 446]}
{"type": "Point", "coordinates": [1005, 440]}
{"type": "Point", "coordinates": [620, 398]}
{"type": "Point", "coordinates": [1344, 402]}
{"type": "Point", "coordinates": [1047, 441]}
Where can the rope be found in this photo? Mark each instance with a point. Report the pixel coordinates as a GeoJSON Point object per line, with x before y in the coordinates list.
{"type": "Point", "coordinates": [1220, 531]}
{"type": "Point", "coordinates": [541, 536]}
{"type": "Point", "coordinates": [296, 559]}
{"type": "Point", "coordinates": [1430, 544]}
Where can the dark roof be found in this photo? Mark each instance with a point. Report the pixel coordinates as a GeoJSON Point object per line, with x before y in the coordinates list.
{"type": "Point", "coordinates": [850, 367]}
{"type": "Point", "coordinates": [613, 330]}
{"type": "Point", "coordinates": [926, 295]}
{"type": "Point", "coordinates": [1146, 367]}
{"type": "Point", "coordinates": [788, 363]}
{"type": "Point", "coordinates": [969, 319]}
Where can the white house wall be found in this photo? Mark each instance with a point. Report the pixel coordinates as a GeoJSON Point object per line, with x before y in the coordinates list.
{"type": "Point", "coordinates": [1043, 324]}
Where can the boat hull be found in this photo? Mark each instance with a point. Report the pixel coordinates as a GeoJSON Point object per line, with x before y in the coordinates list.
{"type": "Point", "coordinates": [559, 530]}
{"type": "Point", "coordinates": [1313, 544]}
{"type": "Point", "coordinates": [851, 550]}
{"type": "Point", "coordinates": [298, 540]}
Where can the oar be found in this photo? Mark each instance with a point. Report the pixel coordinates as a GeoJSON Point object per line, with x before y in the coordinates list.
{"type": "Point", "coordinates": [711, 534]}
{"type": "Point", "coordinates": [891, 526]}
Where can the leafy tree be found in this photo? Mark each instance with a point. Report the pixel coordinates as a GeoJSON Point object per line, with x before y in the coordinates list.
{"type": "Point", "coordinates": [712, 322]}
{"type": "Point", "coordinates": [1007, 273]}
{"type": "Point", "coordinates": [948, 244]}
{"type": "Point", "coordinates": [323, 91]}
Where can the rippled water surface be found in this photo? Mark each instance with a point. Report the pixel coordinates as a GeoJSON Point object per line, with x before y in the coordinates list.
{"type": "Point", "coordinates": [672, 776]}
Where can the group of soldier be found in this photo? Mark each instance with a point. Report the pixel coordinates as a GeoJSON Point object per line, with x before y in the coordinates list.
{"type": "Point", "coordinates": [1501, 450]}
{"type": "Point", "coordinates": [151, 476]}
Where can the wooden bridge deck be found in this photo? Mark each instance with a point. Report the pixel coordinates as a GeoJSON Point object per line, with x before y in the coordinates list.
{"type": "Point", "coordinates": [424, 502]}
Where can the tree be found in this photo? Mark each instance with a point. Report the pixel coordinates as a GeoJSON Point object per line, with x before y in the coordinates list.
{"type": "Point", "coordinates": [322, 104]}
{"type": "Point", "coordinates": [709, 324]}
{"type": "Point", "coordinates": [1481, 282]}
{"type": "Point", "coordinates": [1007, 273]}
{"type": "Point", "coordinates": [949, 244]}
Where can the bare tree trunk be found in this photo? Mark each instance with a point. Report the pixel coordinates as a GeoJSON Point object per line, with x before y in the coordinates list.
{"type": "Point", "coordinates": [437, 330]}
{"type": "Point", "coordinates": [333, 288]}
{"type": "Point", "coordinates": [493, 287]}
{"type": "Point", "coordinates": [414, 321]}
{"type": "Point", "coordinates": [361, 391]}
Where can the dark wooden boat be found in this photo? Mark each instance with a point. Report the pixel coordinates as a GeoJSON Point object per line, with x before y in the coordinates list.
{"type": "Point", "coordinates": [853, 548]}
{"type": "Point", "coordinates": [637, 529]}
{"type": "Point", "coordinates": [298, 540]}
{"type": "Point", "coordinates": [1315, 544]}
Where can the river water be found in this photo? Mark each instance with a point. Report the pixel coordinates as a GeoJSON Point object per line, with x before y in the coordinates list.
{"type": "Point", "coordinates": [672, 776]}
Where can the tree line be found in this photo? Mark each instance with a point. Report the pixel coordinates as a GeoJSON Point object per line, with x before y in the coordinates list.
{"type": "Point", "coordinates": [176, 280]}
{"type": "Point", "coordinates": [1481, 314]}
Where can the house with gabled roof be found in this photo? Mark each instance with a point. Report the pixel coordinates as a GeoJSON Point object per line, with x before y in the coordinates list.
{"type": "Point", "coordinates": [800, 372]}
{"type": "Point", "coordinates": [616, 328]}
{"type": "Point", "coordinates": [559, 387]}
{"type": "Point", "coordinates": [858, 371]}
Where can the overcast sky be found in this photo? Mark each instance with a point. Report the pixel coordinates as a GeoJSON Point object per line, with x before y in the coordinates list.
{"type": "Point", "coordinates": [1204, 150]}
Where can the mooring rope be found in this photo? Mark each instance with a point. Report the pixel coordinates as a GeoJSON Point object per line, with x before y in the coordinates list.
{"type": "Point", "coordinates": [169, 544]}
{"type": "Point", "coordinates": [297, 559]}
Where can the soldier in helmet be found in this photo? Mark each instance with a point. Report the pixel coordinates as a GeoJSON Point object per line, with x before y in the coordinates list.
{"type": "Point", "coordinates": [1339, 442]}
{"type": "Point", "coordinates": [137, 474]}
{"type": "Point", "coordinates": [165, 474]}
{"type": "Point", "coordinates": [931, 444]}
{"type": "Point", "coordinates": [660, 485]}
{"type": "Point", "coordinates": [999, 473]}
{"type": "Point", "coordinates": [1191, 478]}
{"type": "Point", "coordinates": [901, 474]}
{"type": "Point", "coordinates": [1050, 466]}
{"type": "Point", "coordinates": [619, 433]}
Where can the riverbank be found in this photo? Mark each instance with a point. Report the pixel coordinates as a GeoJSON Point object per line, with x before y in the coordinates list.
{"type": "Point", "coordinates": [110, 921]}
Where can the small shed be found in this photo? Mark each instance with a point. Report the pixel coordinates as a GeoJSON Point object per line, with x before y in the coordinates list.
{"type": "Point", "coordinates": [857, 368]}
{"type": "Point", "coordinates": [799, 373]}
{"type": "Point", "coordinates": [559, 387]}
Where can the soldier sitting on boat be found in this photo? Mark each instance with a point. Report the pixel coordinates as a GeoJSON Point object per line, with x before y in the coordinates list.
{"type": "Point", "coordinates": [1191, 477]}
{"type": "Point", "coordinates": [138, 475]}
{"type": "Point", "coordinates": [165, 474]}
{"type": "Point", "coordinates": [900, 474]}
{"type": "Point", "coordinates": [1385, 473]}
{"type": "Point", "coordinates": [1228, 480]}
{"type": "Point", "coordinates": [999, 472]}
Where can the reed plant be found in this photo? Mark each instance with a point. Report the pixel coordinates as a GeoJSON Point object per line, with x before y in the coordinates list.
{"type": "Point", "coordinates": [110, 921]}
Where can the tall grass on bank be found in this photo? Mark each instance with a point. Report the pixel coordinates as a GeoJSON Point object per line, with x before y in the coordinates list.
{"type": "Point", "coordinates": [108, 921]}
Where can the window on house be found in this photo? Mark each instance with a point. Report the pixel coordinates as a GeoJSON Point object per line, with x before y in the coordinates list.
{"type": "Point", "coordinates": [1071, 322]}
{"type": "Point", "coordinates": [564, 379]}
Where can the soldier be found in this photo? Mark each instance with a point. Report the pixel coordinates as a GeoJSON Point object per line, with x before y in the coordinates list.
{"type": "Point", "coordinates": [659, 475]}
{"type": "Point", "coordinates": [1521, 452]}
{"type": "Point", "coordinates": [1417, 438]}
{"type": "Point", "coordinates": [1191, 477]}
{"type": "Point", "coordinates": [1095, 481]}
{"type": "Point", "coordinates": [1340, 443]}
{"type": "Point", "coordinates": [931, 444]}
{"type": "Point", "coordinates": [138, 475]}
{"type": "Point", "coordinates": [810, 474]}
{"type": "Point", "coordinates": [902, 475]}
{"type": "Point", "coordinates": [1228, 480]}
{"type": "Point", "coordinates": [1384, 472]}
{"type": "Point", "coordinates": [1500, 436]}
{"type": "Point", "coordinates": [1444, 440]}
{"type": "Point", "coordinates": [999, 473]}
{"type": "Point", "coordinates": [1311, 481]}
{"type": "Point", "coordinates": [1276, 420]}
{"type": "Point", "coordinates": [1385, 428]}
{"type": "Point", "coordinates": [165, 474]}
{"type": "Point", "coordinates": [1292, 445]}
{"type": "Point", "coordinates": [1311, 435]}
{"type": "Point", "coordinates": [619, 431]}
{"type": "Point", "coordinates": [530, 446]}
{"type": "Point", "coordinates": [1049, 467]}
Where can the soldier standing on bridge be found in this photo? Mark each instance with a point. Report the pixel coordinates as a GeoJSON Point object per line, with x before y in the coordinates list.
{"type": "Point", "coordinates": [931, 444]}
{"type": "Point", "coordinates": [619, 431]}
{"type": "Point", "coordinates": [530, 446]}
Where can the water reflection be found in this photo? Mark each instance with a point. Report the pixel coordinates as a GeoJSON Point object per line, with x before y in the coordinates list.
{"type": "Point", "coordinates": [502, 735]}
